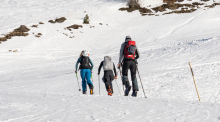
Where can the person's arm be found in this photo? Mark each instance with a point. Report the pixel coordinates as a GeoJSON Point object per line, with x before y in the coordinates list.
{"type": "Point", "coordinates": [91, 63]}
{"type": "Point", "coordinates": [121, 54]}
{"type": "Point", "coordinates": [114, 70]}
{"type": "Point", "coordinates": [137, 53]}
{"type": "Point", "coordinates": [79, 59]}
{"type": "Point", "coordinates": [100, 66]}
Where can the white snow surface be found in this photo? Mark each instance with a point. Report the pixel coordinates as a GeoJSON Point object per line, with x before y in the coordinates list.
{"type": "Point", "coordinates": [38, 83]}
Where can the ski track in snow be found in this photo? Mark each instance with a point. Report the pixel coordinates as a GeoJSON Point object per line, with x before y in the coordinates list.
{"type": "Point", "coordinates": [38, 82]}
{"type": "Point", "coordinates": [179, 27]}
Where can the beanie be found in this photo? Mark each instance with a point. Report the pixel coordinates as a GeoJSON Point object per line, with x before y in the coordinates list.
{"type": "Point", "coordinates": [128, 37]}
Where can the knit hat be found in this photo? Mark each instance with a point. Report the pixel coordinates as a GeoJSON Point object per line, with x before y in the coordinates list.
{"type": "Point", "coordinates": [128, 37]}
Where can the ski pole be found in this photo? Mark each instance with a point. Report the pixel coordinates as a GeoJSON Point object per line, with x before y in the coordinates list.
{"type": "Point", "coordinates": [118, 87]}
{"type": "Point", "coordinates": [92, 82]}
{"type": "Point", "coordinates": [78, 81]}
{"type": "Point", "coordinates": [92, 78]}
{"type": "Point", "coordinates": [99, 84]}
{"type": "Point", "coordinates": [141, 82]}
{"type": "Point", "coordinates": [194, 81]}
{"type": "Point", "coordinates": [121, 79]}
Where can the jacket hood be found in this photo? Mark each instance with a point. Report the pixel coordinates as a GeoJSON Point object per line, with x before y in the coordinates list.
{"type": "Point", "coordinates": [127, 38]}
{"type": "Point", "coordinates": [107, 58]}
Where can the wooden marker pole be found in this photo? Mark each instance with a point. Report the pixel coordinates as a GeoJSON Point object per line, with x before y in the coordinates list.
{"type": "Point", "coordinates": [194, 81]}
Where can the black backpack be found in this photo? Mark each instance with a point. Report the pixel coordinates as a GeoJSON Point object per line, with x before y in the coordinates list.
{"type": "Point", "coordinates": [84, 63]}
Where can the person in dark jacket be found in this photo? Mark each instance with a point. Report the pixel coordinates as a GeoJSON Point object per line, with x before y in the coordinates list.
{"type": "Point", "coordinates": [86, 67]}
{"type": "Point", "coordinates": [108, 77]}
{"type": "Point", "coordinates": [128, 57]}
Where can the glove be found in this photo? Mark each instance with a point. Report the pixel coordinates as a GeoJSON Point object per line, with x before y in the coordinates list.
{"type": "Point", "coordinates": [119, 65]}
{"type": "Point", "coordinates": [135, 60]}
{"type": "Point", "coordinates": [75, 71]}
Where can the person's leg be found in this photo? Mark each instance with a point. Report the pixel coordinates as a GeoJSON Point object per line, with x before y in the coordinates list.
{"type": "Point", "coordinates": [108, 86]}
{"type": "Point", "coordinates": [104, 80]}
{"type": "Point", "coordinates": [88, 78]}
{"type": "Point", "coordinates": [89, 82]}
{"type": "Point", "coordinates": [108, 82]}
{"type": "Point", "coordinates": [111, 86]}
{"type": "Point", "coordinates": [111, 79]}
{"type": "Point", "coordinates": [125, 80]}
{"type": "Point", "coordinates": [125, 68]}
{"type": "Point", "coordinates": [82, 73]}
{"type": "Point", "coordinates": [133, 69]}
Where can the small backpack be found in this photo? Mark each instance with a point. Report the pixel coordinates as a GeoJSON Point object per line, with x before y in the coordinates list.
{"type": "Point", "coordinates": [107, 63]}
{"type": "Point", "coordinates": [84, 63]}
{"type": "Point", "coordinates": [129, 50]}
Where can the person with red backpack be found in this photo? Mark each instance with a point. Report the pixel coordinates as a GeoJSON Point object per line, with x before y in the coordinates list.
{"type": "Point", "coordinates": [128, 59]}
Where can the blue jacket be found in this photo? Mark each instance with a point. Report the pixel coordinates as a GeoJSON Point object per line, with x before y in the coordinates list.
{"type": "Point", "coordinates": [79, 60]}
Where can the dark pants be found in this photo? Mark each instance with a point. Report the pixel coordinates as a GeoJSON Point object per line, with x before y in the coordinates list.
{"type": "Point", "coordinates": [129, 64]}
{"type": "Point", "coordinates": [108, 78]}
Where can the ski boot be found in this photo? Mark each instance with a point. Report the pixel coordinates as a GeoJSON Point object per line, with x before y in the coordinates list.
{"type": "Point", "coordinates": [84, 92]}
{"type": "Point", "coordinates": [109, 92]}
{"type": "Point", "coordinates": [127, 90]}
{"type": "Point", "coordinates": [91, 89]}
{"type": "Point", "coordinates": [134, 93]}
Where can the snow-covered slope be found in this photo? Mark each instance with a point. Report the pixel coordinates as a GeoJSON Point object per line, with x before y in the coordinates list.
{"type": "Point", "coordinates": [38, 82]}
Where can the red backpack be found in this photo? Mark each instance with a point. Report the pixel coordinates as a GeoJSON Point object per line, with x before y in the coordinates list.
{"type": "Point", "coordinates": [129, 50]}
